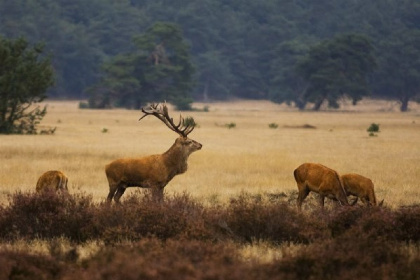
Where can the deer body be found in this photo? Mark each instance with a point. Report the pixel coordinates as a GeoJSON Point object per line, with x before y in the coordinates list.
{"type": "Point", "coordinates": [319, 179]}
{"type": "Point", "coordinates": [154, 171]}
{"type": "Point", "coordinates": [52, 180]}
{"type": "Point", "coordinates": [359, 186]}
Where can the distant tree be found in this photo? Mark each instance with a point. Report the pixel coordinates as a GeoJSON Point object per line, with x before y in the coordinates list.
{"type": "Point", "coordinates": [24, 79]}
{"type": "Point", "coordinates": [338, 67]}
{"type": "Point", "coordinates": [213, 77]}
{"type": "Point", "coordinates": [399, 72]}
{"type": "Point", "coordinates": [159, 70]}
{"type": "Point", "coordinates": [286, 84]}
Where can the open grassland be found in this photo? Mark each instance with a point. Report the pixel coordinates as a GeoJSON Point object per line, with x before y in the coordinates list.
{"type": "Point", "coordinates": [232, 215]}
{"type": "Point", "coordinates": [250, 157]}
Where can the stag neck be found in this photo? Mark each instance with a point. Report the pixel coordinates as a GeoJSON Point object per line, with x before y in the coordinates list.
{"type": "Point", "coordinates": [176, 157]}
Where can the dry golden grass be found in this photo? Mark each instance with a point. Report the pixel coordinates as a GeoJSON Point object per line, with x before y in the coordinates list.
{"type": "Point", "coordinates": [250, 157]}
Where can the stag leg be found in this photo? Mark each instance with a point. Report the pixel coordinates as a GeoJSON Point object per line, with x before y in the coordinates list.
{"type": "Point", "coordinates": [119, 193]}
{"type": "Point", "coordinates": [321, 200]}
{"type": "Point", "coordinates": [303, 193]}
{"type": "Point", "coordinates": [112, 190]}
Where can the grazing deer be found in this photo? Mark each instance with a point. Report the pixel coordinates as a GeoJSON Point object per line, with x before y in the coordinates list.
{"type": "Point", "coordinates": [320, 179]}
{"type": "Point", "coordinates": [52, 180]}
{"type": "Point", "coordinates": [361, 187]}
{"type": "Point", "coordinates": [154, 171]}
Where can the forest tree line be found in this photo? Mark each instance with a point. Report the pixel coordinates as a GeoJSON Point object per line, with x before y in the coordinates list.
{"type": "Point", "coordinates": [287, 51]}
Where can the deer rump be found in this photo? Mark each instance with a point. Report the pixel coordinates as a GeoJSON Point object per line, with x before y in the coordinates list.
{"type": "Point", "coordinates": [52, 180]}
{"type": "Point", "coordinates": [319, 179]}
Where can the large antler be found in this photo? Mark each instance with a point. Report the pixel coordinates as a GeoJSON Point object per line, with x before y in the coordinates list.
{"type": "Point", "coordinates": [160, 111]}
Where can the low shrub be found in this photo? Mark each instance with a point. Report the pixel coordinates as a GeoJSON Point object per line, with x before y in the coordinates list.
{"type": "Point", "coordinates": [348, 257]}
{"type": "Point", "coordinates": [22, 265]}
{"type": "Point", "coordinates": [139, 217]}
{"type": "Point", "coordinates": [407, 224]}
{"type": "Point", "coordinates": [46, 215]}
{"type": "Point", "coordinates": [180, 238]}
{"type": "Point", "coordinates": [255, 219]}
{"type": "Point", "coordinates": [151, 258]}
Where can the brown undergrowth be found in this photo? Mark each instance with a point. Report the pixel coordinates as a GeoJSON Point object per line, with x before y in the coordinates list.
{"type": "Point", "coordinates": [183, 239]}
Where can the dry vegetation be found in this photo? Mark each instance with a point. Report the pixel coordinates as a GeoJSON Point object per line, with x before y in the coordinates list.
{"type": "Point", "coordinates": [250, 157]}
{"type": "Point", "coordinates": [232, 215]}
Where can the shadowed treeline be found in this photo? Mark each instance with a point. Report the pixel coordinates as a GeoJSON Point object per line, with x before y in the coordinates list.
{"type": "Point", "coordinates": [182, 238]}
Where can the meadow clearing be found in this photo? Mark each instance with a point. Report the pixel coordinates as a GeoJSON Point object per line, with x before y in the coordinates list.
{"type": "Point", "coordinates": [249, 157]}
{"type": "Point", "coordinates": [232, 215]}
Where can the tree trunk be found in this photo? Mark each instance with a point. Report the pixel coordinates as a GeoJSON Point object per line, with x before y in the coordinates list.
{"type": "Point", "coordinates": [318, 104]}
{"type": "Point", "coordinates": [404, 103]}
{"type": "Point", "coordinates": [206, 91]}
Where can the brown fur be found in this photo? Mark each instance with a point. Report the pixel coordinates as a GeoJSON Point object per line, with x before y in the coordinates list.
{"type": "Point", "coordinates": [52, 180]}
{"type": "Point", "coordinates": [359, 186]}
{"type": "Point", "coordinates": [153, 171]}
{"type": "Point", "coordinates": [320, 179]}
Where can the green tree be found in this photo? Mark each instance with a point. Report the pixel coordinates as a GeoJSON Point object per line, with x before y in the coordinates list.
{"type": "Point", "coordinates": [160, 69]}
{"type": "Point", "coordinates": [399, 72]}
{"type": "Point", "coordinates": [286, 85]}
{"type": "Point", "coordinates": [338, 67]}
{"type": "Point", "coordinates": [24, 78]}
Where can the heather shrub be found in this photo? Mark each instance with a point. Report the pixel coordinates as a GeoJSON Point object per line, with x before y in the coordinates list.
{"type": "Point", "coordinates": [407, 224]}
{"type": "Point", "coordinates": [138, 217]}
{"type": "Point", "coordinates": [369, 221]}
{"type": "Point", "coordinates": [21, 265]}
{"type": "Point", "coordinates": [46, 215]}
{"type": "Point", "coordinates": [253, 218]}
{"type": "Point", "coordinates": [151, 258]}
{"type": "Point", "coordinates": [342, 219]}
{"type": "Point", "coordinates": [348, 257]}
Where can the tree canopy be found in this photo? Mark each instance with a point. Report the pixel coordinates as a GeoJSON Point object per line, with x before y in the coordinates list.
{"type": "Point", "coordinates": [242, 48]}
{"type": "Point", "coordinates": [159, 69]}
{"type": "Point", "coordinates": [25, 77]}
{"type": "Point", "coordinates": [336, 68]}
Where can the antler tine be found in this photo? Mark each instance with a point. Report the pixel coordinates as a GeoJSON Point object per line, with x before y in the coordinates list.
{"type": "Point", "coordinates": [163, 115]}
{"type": "Point", "coordinates": [149, 111]}
{"type": "Point", "coordinates": [189, 129]}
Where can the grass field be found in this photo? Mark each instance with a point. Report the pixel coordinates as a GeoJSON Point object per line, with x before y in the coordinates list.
{"type": "Point", "coordinates": [250, 157]}
{"type": "Point", "coordinates": [226, 217]}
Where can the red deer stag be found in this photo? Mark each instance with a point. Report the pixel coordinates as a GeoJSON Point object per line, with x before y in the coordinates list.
{"type": "Point", "coordinates": [361, 187]}
{"type": "Point", "coordinates": [154, 171]}
{"type": "Point", "coordinates": [320, 179]}
{"type": "Point", "coordinates": [52, 180]}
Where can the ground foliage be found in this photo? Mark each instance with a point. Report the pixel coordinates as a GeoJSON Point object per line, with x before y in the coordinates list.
{"type": "Point", "coordinates": [183, 238]}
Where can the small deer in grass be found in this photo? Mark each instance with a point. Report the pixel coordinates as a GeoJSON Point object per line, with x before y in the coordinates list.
{"type": "Point", "coordinates": [52, 180]}
{"type": "Point", "coordinates": [154, 171]}
{"type": "Point", "coordinates": [361, 187]}
{"type": "Point", "coordinates": [320, 179]}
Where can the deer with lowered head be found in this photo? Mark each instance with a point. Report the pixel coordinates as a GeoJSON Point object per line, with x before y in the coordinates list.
{"type": "Point", "coordinates": [52, 180]}
{"type": "Point", "coordinates": [360, 187]}
{"type": "Point", "coordinates": [154, 171]}
{"type": "Point", "coordinates": [319, 179]}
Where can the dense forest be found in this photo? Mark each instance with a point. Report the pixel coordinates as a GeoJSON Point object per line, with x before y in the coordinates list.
{"type": "Point", "coordinates": [268, 49]}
